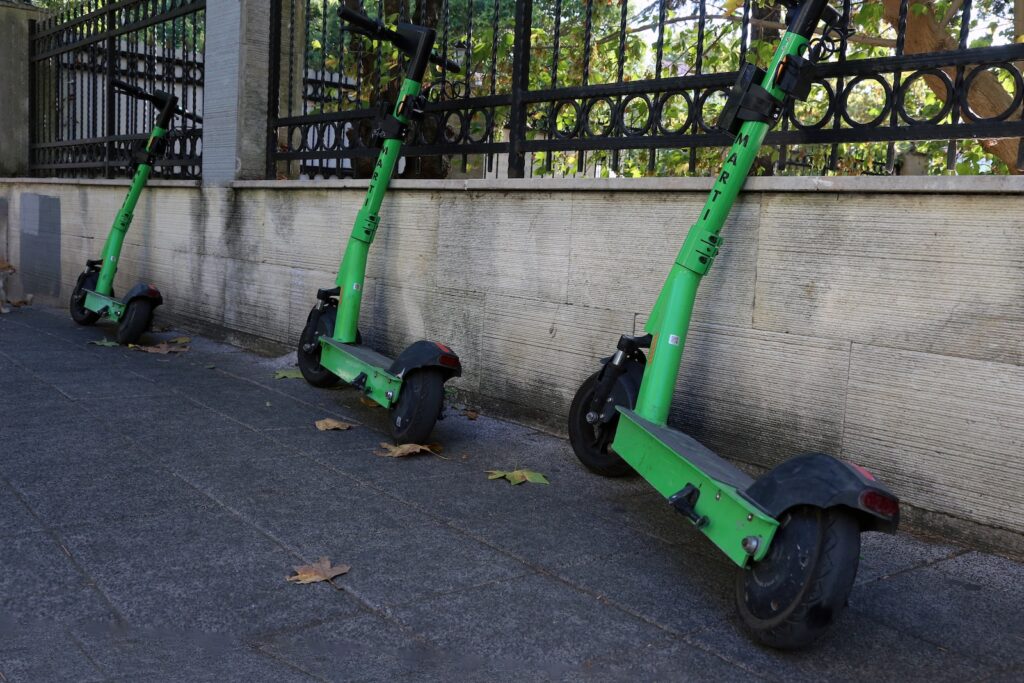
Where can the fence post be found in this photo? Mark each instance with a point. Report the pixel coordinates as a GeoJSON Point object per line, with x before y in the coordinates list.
{"type": "Point", "coordinates": [15, 87]}
{"type": "Point", "coordinates": [520, 84]}
{"type": "Point", "coordinates": [110, 123]}
{"type": "Point", "coordinates": [235, 90]}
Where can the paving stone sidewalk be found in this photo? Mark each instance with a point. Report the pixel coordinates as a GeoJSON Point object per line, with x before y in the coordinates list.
{"type": "Point", "coordinates": [152, 505]}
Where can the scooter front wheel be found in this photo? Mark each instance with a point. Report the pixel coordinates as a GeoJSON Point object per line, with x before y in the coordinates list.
{"type": "Point", "coordinates": [419, 406]}
{"type": "Point", "coordinates": [76, 306]}
{"type": "Point", "coordinates": [790, 598]}
{"type": "Point", "coordinates": [592, 442]}
{"type": "Point", "coordinates": [309, 350]}
{"type": "Point", "coordinates": [138, 317]}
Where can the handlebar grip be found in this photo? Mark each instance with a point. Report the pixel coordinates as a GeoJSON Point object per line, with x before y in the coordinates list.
{"type": "Point", "coordinates": [364, 23]}
{"type": "Point", "coordinates": [447, 64]}
{"type": "Point", "coordinates": [131, 89]}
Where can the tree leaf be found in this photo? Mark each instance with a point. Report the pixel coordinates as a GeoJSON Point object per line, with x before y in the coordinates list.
{"type": "Point", "coordinates": [290, 373]}
{"type": "Point", "coordinates": [103, 342]}
{"type": "Point", "coordinates": [471, 414]}
{"type": "Point", "coordinates": [179, 340]}
{"type": "Point", "coordinates": [369, 402]}
{"type": "Point", "coordinates": [329, 423]}
{"type": "Point", "coordinates": [163, 348]}
{"type": "Point", "coordinates": [321, 570]}
{"type": "Point", "coordinates": [407, 449]}
{"type": "Point", "coordinates": [516, 477]}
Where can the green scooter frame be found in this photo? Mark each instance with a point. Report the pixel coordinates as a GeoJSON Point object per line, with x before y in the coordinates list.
{"type": "Point", "coordinates": [330, 349]}
{"type": "Point", "coordinates": [93, 296]}
{"type": "Point", "coordinates": [794, 532]}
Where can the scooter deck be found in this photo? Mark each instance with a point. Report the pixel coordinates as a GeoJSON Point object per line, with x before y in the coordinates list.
{"type": "Point", "coordinates": [671, 460]}
{"type": "Point", "coordinates": [104, 305]}
{"type": "Point", "coordinates": [362, 367]}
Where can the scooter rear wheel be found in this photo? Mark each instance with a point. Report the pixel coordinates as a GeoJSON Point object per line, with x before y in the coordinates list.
{"type": "Point", "coordinates": [76, 306]}
{"type": "Point", "coordinates": [592, 443]}
{"type": "Point", "coordinates": [138, 317]}
{"type": "Point", "coordinates": [790, 598]}
{"type": "Point", "coordinates": [419, 406]}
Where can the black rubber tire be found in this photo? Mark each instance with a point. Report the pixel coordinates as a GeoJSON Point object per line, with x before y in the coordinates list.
{"type": "Point", "coordinates": [419, 406]}
{"type": "Point", "coordinates": [309, 362]}
{"type": "Point", "coordinates": [76, 305]}
{"type": "Point", "coordinates": [592, 444]}
{"type": "Point", "coordinates": [790, 598]}
{"type": "Point", "coordinates": [137, 319]}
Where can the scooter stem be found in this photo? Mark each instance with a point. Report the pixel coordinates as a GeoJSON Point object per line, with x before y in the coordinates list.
{"type": "Point", "coordinates": [670, 320]}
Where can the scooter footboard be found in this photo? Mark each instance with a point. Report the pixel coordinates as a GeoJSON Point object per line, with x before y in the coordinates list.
{"type": "Point", "coordinates": [699, 484]}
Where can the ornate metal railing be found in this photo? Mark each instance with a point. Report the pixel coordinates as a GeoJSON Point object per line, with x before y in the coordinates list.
{"type": "Point", "coordinates": [80, 126]}
{"type": "Point", "coordinates": [584, 87]}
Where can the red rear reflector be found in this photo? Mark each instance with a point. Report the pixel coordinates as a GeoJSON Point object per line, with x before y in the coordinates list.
{"type": "Point", "coordinates": [876, 501]}
{"type": "Point", "coordinates": [442, 347]}
{"type": "Point", "coordinates": [862, 470]}
{"type": "Point", "coordinates": [449, 361]}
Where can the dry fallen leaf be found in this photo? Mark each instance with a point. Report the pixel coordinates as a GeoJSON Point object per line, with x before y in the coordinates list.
{"type": "Point", "coordinates": [103, 342]}
{"type": "Point", "coordinates": [179, 340]}
{"type": "Point", "coordinates": [163, 348]}
{"type": "Point", "coordinates": [288, 374]}
{"type": "Point", "coordinates": [518, 476]}
{"type": "Point", "coordinates": [321, 570]}
{"type": "Point", "coordinates": [471, 414]}
{"type": "Point", "coordinates": [369, 402]}
{"type": "Point", "coordinates": [406, 449]}
{"type": "Point", "coordinates": [330, 423]}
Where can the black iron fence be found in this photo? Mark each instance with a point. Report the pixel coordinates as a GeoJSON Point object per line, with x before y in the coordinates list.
{"type": "Point", "coordinates": [603, 88]}
{"type": "Point", "coordinates": [81, 126]}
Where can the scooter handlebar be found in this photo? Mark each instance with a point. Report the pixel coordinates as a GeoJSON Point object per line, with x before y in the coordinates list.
{"type": "Point", "coordinates": [136, 91]}
{"type": "Point", "coordinates": [376, 29]}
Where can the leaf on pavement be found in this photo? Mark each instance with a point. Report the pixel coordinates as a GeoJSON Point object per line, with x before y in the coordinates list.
{"type": "Point", "coordinates": [290, 373]}
{"type": "Point", "coordinates": [406, 449]}
{"type": "Point", "coordinates": [330, 423]}
{"type": "Point", "coordinates": [321, 570]}
{"type": "Point", "coordinates": [369, 402]}
{"type": "Point", "coordinates": [163, 348]}
{"type": "Point", "coordinates": [518, 476]}
{"type": "Point", "coordinates": [179, 340]}
{"type": "Point", "coordinates": [471, 414]}
{"type": "Point", "coordinates": [103, 342]}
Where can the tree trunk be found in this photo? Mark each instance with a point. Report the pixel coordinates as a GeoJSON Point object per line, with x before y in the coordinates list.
{"type": "Point", "coordinates": [987, 97]}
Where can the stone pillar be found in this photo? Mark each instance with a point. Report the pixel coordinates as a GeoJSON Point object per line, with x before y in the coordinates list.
{"type": "Point", "coordinates": [14, 86]}
{"type": "Point", "coordinates": [235, 90]}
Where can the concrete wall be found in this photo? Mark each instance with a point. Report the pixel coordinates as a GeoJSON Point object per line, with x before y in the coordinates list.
{"type": "Point", "coordinates": [881, 320]}
{"type": "Point", "coordinates": [14, 86]}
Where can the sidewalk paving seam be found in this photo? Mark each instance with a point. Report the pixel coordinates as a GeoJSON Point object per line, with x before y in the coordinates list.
{"type": "Point", "coordinates": [952, 555]}
{"type": "Point", "coordinates": [56, 538]}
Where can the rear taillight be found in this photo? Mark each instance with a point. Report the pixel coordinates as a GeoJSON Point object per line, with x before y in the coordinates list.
{"type": "Point", "coordinates": [879, 503]}
{"type": "Point", "coordinates": [449, 361]}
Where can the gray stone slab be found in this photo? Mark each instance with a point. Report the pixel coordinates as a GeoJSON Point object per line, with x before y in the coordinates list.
{"type": "Point", "coordinates": [991, 572]}
{"type": "Point", "coordinates": [681, 588]}
{"type": "Point", "coordinates": [40, 584]}
{"type": "Point", "coordinates": [670, 660]}
{"type": "Point", "coordinates": [99, 490]}
{"type": "Point", "coordinates": [950, 612]}
{"type": "Point", "coordinates": [201, 571]}
{"type": "Point", "coordinates": [133, 653]}
{"type": "Point", "coordinates": [33, 651]}
{"type": "Point", "coordinates": [15, 518]}
{"type": "Point", "coordinates": [371, 648]}
{"type": "Point", "coordinates": [567, 628]}
{"type": "Point", "coordinates": [859, 648]}
{"type": "Point", "coordinates": [885, 555]}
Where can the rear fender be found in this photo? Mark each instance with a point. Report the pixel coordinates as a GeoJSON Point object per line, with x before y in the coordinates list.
{"type": "Point", "coordinates": [427, 354]}
{"type": "Point", "coordinates": [822, 481]}
{"type": "Point", "coordinates": [143, 291]}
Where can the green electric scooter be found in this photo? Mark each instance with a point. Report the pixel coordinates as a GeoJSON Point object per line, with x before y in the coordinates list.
{"type": "Point", "coordinates": [330, 349]}
{"type": "Point", "coordinates": [93, 296]}
{"type": "Point", "coordinates": [795, 531]}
